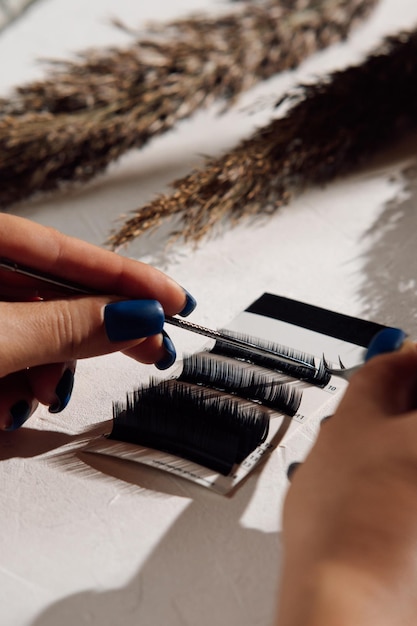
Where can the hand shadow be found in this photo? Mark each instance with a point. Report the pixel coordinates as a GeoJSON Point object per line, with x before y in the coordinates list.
{"type": "Point", "coordinates": [29, 442]}
{"type": "Point", "coordinates": [207, 570]}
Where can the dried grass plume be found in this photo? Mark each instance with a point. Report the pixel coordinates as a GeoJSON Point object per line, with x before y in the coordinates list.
{"type": "Point", "coordinates": [331, 127]}
{"type": "Point", "coordinates": [86, 114]}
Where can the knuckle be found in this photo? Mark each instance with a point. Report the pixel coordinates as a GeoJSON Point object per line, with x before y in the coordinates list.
{"type": "Point", "coordinates": [8, 348]}
{"type": "Point", "coordinates": [70, 329]}
{"type": "Point", "coordinates": [66, 329]}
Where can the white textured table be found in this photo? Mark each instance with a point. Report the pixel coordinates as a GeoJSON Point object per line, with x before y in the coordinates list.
{"type": "Point", "coordinates": [107, 542]}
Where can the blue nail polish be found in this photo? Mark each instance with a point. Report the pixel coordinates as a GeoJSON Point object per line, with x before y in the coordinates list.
{"type": "Point", "coordinates": [63, 392]}
{"type": "Point", "coordinates": [292, 469]}
{"type": "Point", "coordinates": [169, 359]}
{"type": "Point", "coordinates": [133, 319]}
{"type": "Point", "coordinates": [19, 414]}
{"type": "Point", "coordinates": [325, 419]}
{"type": "Point", "coordinates": [386, 340]}
{"type": "Point", "coordinates": [190, 304]}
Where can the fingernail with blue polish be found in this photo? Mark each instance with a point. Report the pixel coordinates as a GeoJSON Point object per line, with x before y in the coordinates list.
{"type": "Point", "coordinates": [133, 319]}
{"type": "Point", "coordinates": [386, 340]}
{"type": "Point", "coordinates": [190, 304]}
{"type": "Point", "coordinates": [63, 392]}
{"type": "Point", "coordinates": [169, 359]}
{"type": "Point", "coordinates": [292, 469]}
{"type": "Point", "coordinates": [19, 413]}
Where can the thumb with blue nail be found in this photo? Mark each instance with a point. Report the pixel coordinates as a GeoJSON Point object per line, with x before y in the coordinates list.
{"type": "Point", "coordinates": [43, 331]}
{"type": "Point", "coordinates": [386, 340]}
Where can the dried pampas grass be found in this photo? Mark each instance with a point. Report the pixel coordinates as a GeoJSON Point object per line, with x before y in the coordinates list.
{"type": "Point", "coordinates": [331, 127]}
{"type": "Point", "coordinates": [85, 115]}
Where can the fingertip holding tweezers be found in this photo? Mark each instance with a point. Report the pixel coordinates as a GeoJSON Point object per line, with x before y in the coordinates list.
{"type": "Point", "coordinates": [281, 357]}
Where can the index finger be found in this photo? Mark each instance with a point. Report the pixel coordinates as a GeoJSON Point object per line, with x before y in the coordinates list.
{"type": "Point", "coordinates": [50, 251]}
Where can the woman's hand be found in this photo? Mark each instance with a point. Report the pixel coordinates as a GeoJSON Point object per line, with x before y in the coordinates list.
{"type": "Point", "coordinates": [43, 332]}
{"type": "Point", "coordinates": [350, 518]}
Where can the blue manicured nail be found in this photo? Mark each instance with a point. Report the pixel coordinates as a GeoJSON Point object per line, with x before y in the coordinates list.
{"type": "Point", "coordinates": [19, 413]}
{"type": "Point", "coordinates": [325, 419]}
{"type": "Point", "coordinates": [133, 319]}
{"type": "Point", "coordinates": [63, 392]}
{"type": "Point", "coordinates": [292, 469]}
{"type": "Point", "coordinates": [190, 304]}
{"type": "Point", "coordinates": [386, 340]}
{"type": "Point", "coordinates": [171, 353]}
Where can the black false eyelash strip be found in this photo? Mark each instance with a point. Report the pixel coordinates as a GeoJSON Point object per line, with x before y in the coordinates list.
{"type": "Point", "coordinates": [204, 426]}
{"type": "Point", "coordinates": [318, 376]}
{"type": "Point", "coordinates": [240, 378]}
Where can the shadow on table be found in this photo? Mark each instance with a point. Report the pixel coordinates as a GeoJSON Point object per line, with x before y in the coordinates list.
{"type": "Point", "coordinates": [207, 570]}
{"type": "Point", "coordinates": [29, 442]}
{"type": "Point", "coordinates": [389, 285]}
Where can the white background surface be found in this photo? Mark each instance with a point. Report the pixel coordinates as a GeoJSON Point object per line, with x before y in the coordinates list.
{"type": "Point", "coordinates": [89, 541]}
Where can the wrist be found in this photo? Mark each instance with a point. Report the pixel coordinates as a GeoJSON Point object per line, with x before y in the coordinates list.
{"type": "Point", "coordinates": [339, 594]}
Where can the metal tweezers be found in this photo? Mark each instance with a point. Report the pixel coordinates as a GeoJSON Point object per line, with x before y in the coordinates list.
{"type": "Point", "coordinates": [75, 288]}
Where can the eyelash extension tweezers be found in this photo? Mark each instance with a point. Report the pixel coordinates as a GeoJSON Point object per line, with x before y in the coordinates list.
{"type": "Point", "coordinates": [75, 288]}
{"type": "Point", "coordinates": [249, 346]}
